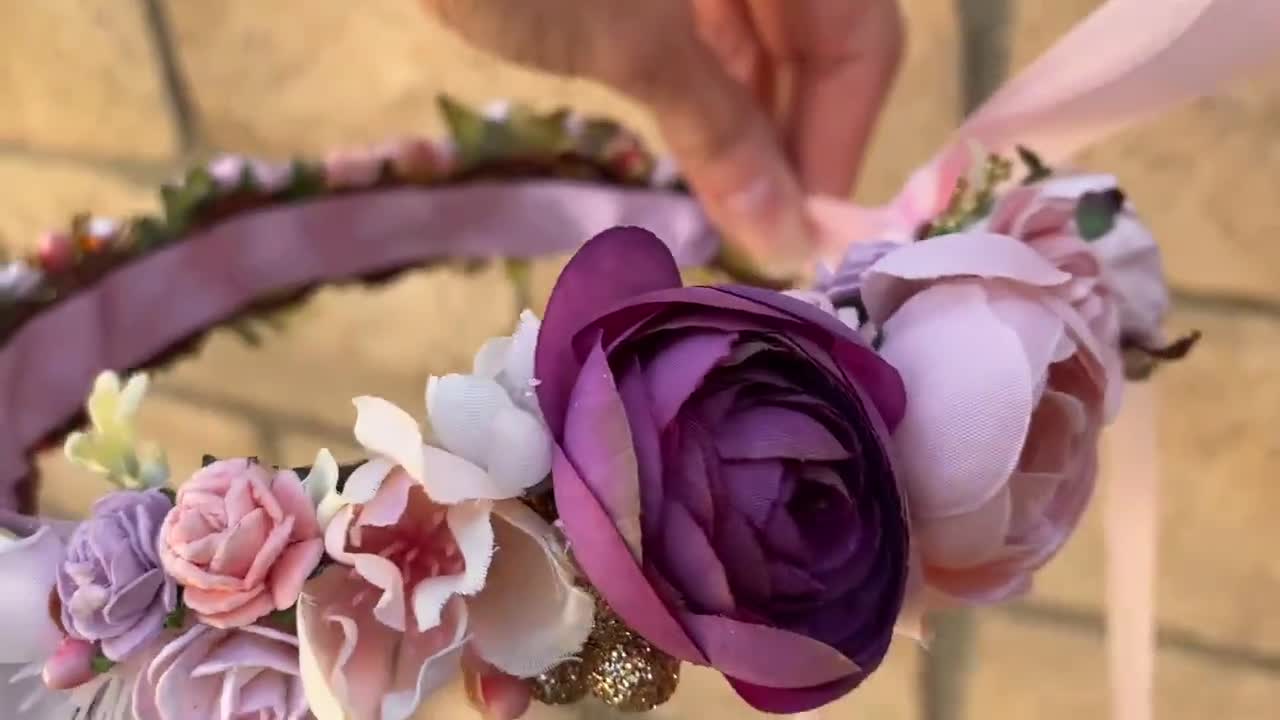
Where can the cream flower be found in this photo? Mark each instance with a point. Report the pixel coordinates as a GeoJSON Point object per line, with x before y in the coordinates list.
{"type": "Point", "coordinates": [110, 447]}
{"type": "Point", "coordinates": [435, 553]}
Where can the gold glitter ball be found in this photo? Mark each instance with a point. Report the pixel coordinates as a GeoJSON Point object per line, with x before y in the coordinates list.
{"type": "Point", "coordinates": [563, 684]}
{"type": "Point", "coordinates": [626, 672]}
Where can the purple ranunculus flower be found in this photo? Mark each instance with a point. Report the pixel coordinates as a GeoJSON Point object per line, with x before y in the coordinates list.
{"type": "Point", "coordinates": [722, 472]}
{"type": "Point", "coordinates": [112, 587]}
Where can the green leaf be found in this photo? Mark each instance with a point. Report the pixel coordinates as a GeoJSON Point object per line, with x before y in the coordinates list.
{"type": "Point", "coordinates": [101, 663]}
{"type": "Point", "coordinates": [467, 127]}
{"type": "Point", "coordinates": [176, 619]}
{"type": "Point", "coordinates": [147, 233]}
{"type": "Point", "coordinates": [244, 328]}
{"type": "Point", "coordinates": [286, 619]}
{"type": "Point", "coordinates": [531, 133]}
{"type": "Point", "coordinates": [596, 136]}
{"type": "Point", "coordinates": [1096, 213]}
{"type": "Point", "coordinates": [305, 180]}
{"type": "Point", "coordinates": [200, 185]}
{"type": "Point", "coordinates": [1036, 169]}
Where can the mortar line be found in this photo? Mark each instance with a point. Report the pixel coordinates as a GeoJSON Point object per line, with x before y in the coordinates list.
{"type": "Point", "coordinates": [1170, 638]}
{"type": "Point", "coordinates": [177, 90]}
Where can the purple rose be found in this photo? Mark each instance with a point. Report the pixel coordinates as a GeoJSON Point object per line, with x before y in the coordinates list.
{"type": "Point", "coordinates": [722, 472]}
{"type": "Point", "coordinates": [111, 585]}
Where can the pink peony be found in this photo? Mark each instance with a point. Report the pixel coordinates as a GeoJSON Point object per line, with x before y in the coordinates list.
{"type": "Point", "coordinates": [241, 539]}
{"type": "Point", "coordinates": [208, 673]}
{"type": "Point", "coordinates": [1007, 391]}
{"type": "Point", "coordinates": [1118, 283]}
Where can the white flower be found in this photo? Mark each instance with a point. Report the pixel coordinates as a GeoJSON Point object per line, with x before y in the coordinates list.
{"type": "Point", "coordinates": [491, 416]}
{"type": "Point", "coordinates": [435, 552]}
{"type": "Point", "coordinates": [18, 280]}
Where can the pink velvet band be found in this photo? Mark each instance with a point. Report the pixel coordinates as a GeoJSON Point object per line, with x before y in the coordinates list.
{"type": "Point", "coordinates": [139, 312]}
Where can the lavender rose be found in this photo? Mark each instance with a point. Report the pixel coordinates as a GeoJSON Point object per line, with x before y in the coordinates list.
{"type": "Point", "coordinates": [110, 582]}
{"type": "Point", "coordinates": [721, 471]}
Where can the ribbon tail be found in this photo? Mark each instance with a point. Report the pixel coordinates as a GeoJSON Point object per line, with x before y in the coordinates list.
{"type": "Point", "coordinates": [1130, 520]}
{"type": "Point", "coordinates": [1103, 76]}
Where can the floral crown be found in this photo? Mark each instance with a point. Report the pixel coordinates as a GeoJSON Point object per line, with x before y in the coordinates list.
{"type": "Point", "coordinates": [769, 482]}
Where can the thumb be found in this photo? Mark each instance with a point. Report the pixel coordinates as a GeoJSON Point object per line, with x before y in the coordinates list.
{"type": "Point", "coordinates": [730, 153]}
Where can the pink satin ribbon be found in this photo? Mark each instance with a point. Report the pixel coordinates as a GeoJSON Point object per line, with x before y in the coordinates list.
{"type": "Point", "coordinates": [139, 311]}
{"type": "Point", "coordinates": [1128, 61]}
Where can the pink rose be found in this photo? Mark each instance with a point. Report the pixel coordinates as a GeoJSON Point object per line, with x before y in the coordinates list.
{"type": "Point", "coordinates": [1007, 390]}
{"type": "Point", "coordinates": [1118, 283]}
{"type": "Point", "coordinates": [241, 539]}
{"type": "Point", "coordinates": [225, 674]}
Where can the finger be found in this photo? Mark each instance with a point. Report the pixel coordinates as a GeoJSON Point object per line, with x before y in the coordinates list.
{"type": "Point", "coordinates": [727, 28]}
{"type": "Point", "coordinates": [496, 695]}
{"type": "Point", "coordinates": [842, 58]}
{"type": "Point", "coordinates": [727, 148]}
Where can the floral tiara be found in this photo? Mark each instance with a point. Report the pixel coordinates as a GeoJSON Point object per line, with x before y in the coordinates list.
{"type": "Point", "coordinates": [770, 482]}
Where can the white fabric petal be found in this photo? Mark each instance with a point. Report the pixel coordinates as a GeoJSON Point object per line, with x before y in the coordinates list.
{"type": "Point", "coordinates": [449, 479]}
{"type": "Point", "coordinates": [365, 480]}
{"type": "Point", "coordinates": [462, 409]}
{"type": "Point", "coordinates": [386, 430]}
{"type": "Point", "coordinates": [491, 358]}
{"type": "Point", "coordinates": [28, 569]}
{"type": "Point", "coordinates": [323, 477]}
{"type": "Point", "coordinates": [519, 364]}
{"type": "Point", "coordinates": [520, 453]}
{"type": "Point", "coordinates": [472, 530]}
{"type": "Point", "coordinates": [530, 615]}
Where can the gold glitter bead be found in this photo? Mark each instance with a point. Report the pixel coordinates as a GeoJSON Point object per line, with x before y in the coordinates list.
{"type": "Point", "coordinates": [626, 672]}
{"type": "Point", "coordinates": [563, 684]}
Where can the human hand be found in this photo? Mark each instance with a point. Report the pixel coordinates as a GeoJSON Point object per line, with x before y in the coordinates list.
{"type": "Point", "coordinates": [760, 101]}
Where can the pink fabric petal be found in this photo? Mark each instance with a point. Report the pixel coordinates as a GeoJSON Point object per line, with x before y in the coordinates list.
{"type": "Point", "coordinates": [271, 548]}
{"type": "Point", "coordinates": [968, 417]}
{"type": "Point", "coordinates": [241, 544]}
{"type": "Point", "coordinates": [291, 570]}
{"type": "Point", "coordinates": [288, 490]}
{"type": "Point", "coordinates": [388, 504]}
{"type": "Point", "coordinates": [896, 276]}
{"type": "Point", "coordinates": [967, 539]}
{"type": "Point", "coordinates": [252, 611]}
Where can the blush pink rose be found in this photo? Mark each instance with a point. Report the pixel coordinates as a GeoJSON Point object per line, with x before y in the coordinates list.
{"type": "Point", "coordinates": [1118, 282]}
{"type": "Point", "coordinates": [241, 539]}
{"type": "Point", "coordinates": [1007, 390]}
